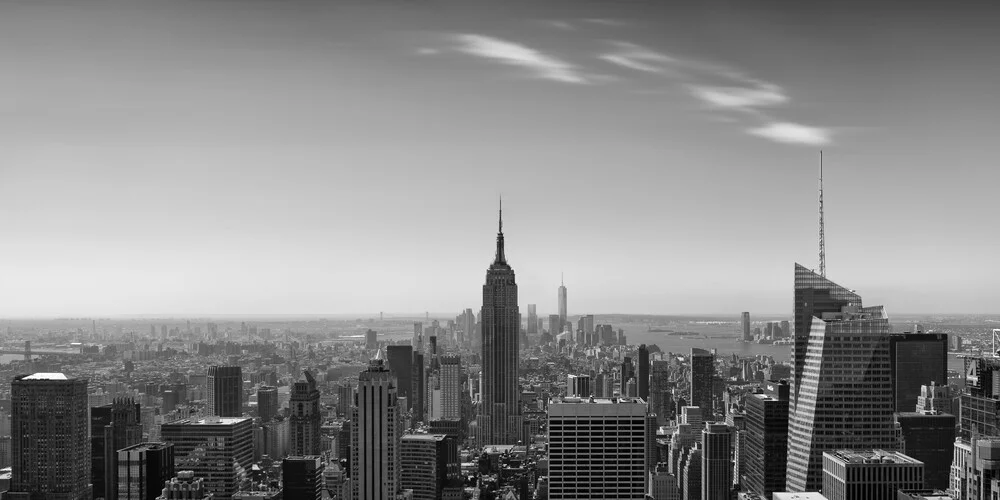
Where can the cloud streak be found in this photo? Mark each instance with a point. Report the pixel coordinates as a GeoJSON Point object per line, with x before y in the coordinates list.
{"type": "Point", "coordinates": [514, 54]}
{"type": "Point", "coordinates": [793, 133]}
{"type": "Point", "coordinates": [639, 58]}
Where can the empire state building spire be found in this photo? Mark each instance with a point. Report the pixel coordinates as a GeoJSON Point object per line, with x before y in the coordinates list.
{"type": "Point", "coordinates": [500, 258]}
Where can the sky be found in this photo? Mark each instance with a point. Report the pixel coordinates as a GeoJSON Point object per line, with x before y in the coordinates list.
{"type": "Point", "coordinates": [311, 157]}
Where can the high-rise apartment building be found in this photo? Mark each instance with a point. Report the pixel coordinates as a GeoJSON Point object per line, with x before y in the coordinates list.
{"type": "Point", "coordinates": [916, 359]}
{"type": "Point", "coordinates": [532, 324]}
{"type": "Point", "coordinates": [869, 474]}
{"type": "Point", "coordinates": [813, 296]}
{"type": "Point", "coordinates": [643, 369]}
{"type": "Point", "coordinates": [400, 358]}
{"type": "Point", "coordinates": [451, 387]}
{"type": "Point", "coordinates": [745, 320]}
{"type": "Point", "coordinates": [217, 449]}
{"type": "Point", "coordinates": [765, 450]}
{"type": "Point", "coordinates": [702, 381]}
{"type": "Point", "coordinates": [143, 469]}
{"type": "Point", "coordinates": [597, 449]}
{"type": "Point", "coordinates": [302, 477]}
{"type": "Point", "coordinates": [112, 427]}
{"type": "Point", "coordinates": [305, 420]}
{"type": "Point", "coordinates": [427, 463]}
{"type": "Point", "coordinates": [845, 395]}
{"type": "Point", "coordinates": [375, 432]}
{"type": "Point", "coordinates": [500, 412]}
{"type": "Point", "coordinates": [562, 303]}
{"type": "Point", "coordinates": [267, 402]}
{"type": "Point", "coordinates": [716, 462]}
{"type": "Point", "coordinates": [50, 452]}
{"type": "Point", "coordinates": [225, 391]}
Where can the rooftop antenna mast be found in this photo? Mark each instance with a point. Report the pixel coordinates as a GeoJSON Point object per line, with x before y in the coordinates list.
{"type": "Point", "coordinates": [822, 229]}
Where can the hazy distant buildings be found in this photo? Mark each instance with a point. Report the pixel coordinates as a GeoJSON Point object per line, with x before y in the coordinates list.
{"type": "Point", "coordinates": [225, 391]}
{"type": "Point", "coordinates": [614, 432]}
{"type": "Point", "coordinates": [50, 451]}
{"type": "Point", "coordinates": [702, 380]}
{"type": "Point", "coordinates": [745, 319]}
{"type": "Point", "coordinates": [532, 325]}
{"type": "Point", "coordinates": [916, 359]}
{"type": "Point", "coordinates": [562, 303]}
{"type": "Point", "coordinates": [845, 393]}
{"type": "Point", "coordinates": [305, 417]}
{"type": "Point", "coordinates": [499, 420]}
{"type": "Point", "coordinates": [375, 432]}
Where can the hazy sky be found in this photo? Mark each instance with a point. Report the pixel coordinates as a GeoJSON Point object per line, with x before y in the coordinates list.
{"type": "Point", "coordinates": [291, 156]}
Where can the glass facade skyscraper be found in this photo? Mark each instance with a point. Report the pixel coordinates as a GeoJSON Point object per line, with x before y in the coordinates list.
{"type": "Point", "coordinates": [916, 359]}
{"type": "Point", "coordinates": [702, 381]}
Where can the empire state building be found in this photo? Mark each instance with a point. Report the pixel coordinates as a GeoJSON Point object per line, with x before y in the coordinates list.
{"type": "Point", "coordinates": [500, 412]}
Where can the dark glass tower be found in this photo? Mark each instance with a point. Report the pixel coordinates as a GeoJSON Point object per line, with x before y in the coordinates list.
{"type": "Point", "coordinates": [702, 381]}
{"type": "Point", "coordinates": [814, 295]}
{"type": "Point", "coordinates": [766, 445]}
{"type": "Point", "coordinates": [499, 419]}
{"type": "Point", "coordinates": [112, 427]}
{"type": "Point", "coordinates": [401, 366]}
{"type": "Point", "coordinates": [225, 391]}
{"type": "Point", "coordinates": [305, 416]}
{"type": "Point", "coordinates": [643, 381]}
{"type": "Point", "coordinates": [916, 359]}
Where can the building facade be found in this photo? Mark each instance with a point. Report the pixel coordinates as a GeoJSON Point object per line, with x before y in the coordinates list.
{"type": "Point", "coordinates": [869, 474]}
{"type": "Point", "coordinates": [766, 439]}
{"type": "Point", "coordinates": [427, 463]}
{"type": "Point", "coordinates": [916, 359]}
{"type": "Point", "coordinates": [216, 449]}
{"type": "Point", "coordinates": [375, 432]}
{"type": "Point", "coordinates": [112, 427]}
{"type": "Point", "coordinates": [302, 478]}
{"type": "Point", "coordinates": [143, 469]}
{"type": "Point", "coordinates": [305, 419]}
{"type": "Point", "coordinates": [716, 462]}
{"type": "Point", "coordinates": [225, 391]}
{"type": "Point", "coordinates": [702, 381]}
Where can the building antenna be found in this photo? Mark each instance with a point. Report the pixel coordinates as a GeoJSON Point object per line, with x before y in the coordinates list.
{"type": "Point", "coordinates": [822, 228]}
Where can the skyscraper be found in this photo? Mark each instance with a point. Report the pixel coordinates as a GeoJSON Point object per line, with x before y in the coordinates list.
{"type": "Point", "coordinates": [50, 452]}
{"type": "Point", "coordinates": [305, 420]}
{"type": "Point", "coordinates": [225, 391]}
{"type": "Point", "coordinates": [747, 336]}
{"type": "Point", "coordinates": [532, 326]}
{"type": "Point", "coordinates": [500, 411]}
{"type": "Point", "coordinates": [427, 462]}
{"type": "Point", "coordinates": [766, 441]}
{"type": "Point", "coordinates": [814, 295]}
{"type": "Point", "coordinates": [400, 358]}
{"type": "Point", "coordinates": [869, 474]}
{"type": "Point", "coordinates": [143, 469]}
{"type": "Point", "coordinates": [845, 394]}
{"type": "Point", "coordinates": [451, 387]}
{"type": "Point", "coordinates": [217, 449]}
{"type": "Point", "coordinates": [419, 387]}
{"type": "Point", "coordinates": [928, 435]}
{"type": "Point", "coordinates": [375, 432]}
{"type": "Point", "coordinates": [267, 402]}
{"type": "Point", "coordinates": [562, 302]}
{"type": "Point", "coordinates": [916, 359]}
{"type": "Point", "coordinates": [643, 370]}
{"type": "Point", "coordinates": [112, 427]}
{"type": "Point", "coordinates": [302, 477]}
{"type": "Point", "coordinates": [418, 337]}
{"type": "Point", "coordinates": [716, 462]}
{"type": "Point", "coordinates": [555, 325]}
{"type": "Point", "coordinates": [702, 381]}
{"type": "Point", "coordinates": [614, 432]}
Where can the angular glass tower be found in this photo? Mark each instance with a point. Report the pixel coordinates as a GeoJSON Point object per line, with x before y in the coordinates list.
{"type": "Point", "coordinates": [499, 421]}
{"type": "Point", "coordinates": [845, 394]}
{"type": "Point", "coordinates": [814, 295]}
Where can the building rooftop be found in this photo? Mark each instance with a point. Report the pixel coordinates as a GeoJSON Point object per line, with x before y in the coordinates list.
{"type": "Point", "coordinates": [46, 376]}
{"type": "Point", "coordinates": [425, 437]}
{"type": "Point", "coordinates": [871, 457]}
{"type": "Point", "coordinates": [146, 446]}
{"type": "Point", "coordinates": [808, 495]}
{"type": "Point", "coordinates": [597, 401]}
{"type": "Point", "coordinates": [211, 421]}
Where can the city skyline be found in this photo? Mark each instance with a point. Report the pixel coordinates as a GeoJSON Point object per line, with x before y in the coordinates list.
{"type": "Point", "coordinates": [249, 156]}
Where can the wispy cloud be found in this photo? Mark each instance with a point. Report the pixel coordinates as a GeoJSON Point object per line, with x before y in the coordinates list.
{"type": "Point", "coordinates": [793, 133]}
{"type": "Point", "coordinates": [736, 97]}
{"type": "Point", "coordinates": [639, 58]}
{"type": "Point", "coordinates": [515, 54]}
{"type": "Point", "coordinates": [559, 24]}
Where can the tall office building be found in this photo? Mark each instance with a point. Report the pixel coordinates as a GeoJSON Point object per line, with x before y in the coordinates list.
{"type": "Point", "coordinates": [400, 358]}
{"type": "Point", "coordinates": [419, 387]}
{"type": "Point", "coordinates": [916, 359]}
{"type": "Point", "coordinates": [112, 427]}
{"type": "Point", "coordinates": [345, 398]}
{"type": "Point", "coordinates": [869, 474]}
{"type": "Point", "coordinates": [143, 469]}
{"type": "Point", "coordinates": [562, 303]}
{"type": "Point", "coordinates": [225, 391]}
{"type": "Point", "coordinates": [716, 462]}
{"type": "Point", "coordinates": [50, 452]}
{"type": "Point", "coordinates": [578, 386]}
{"type": "Point", "coordinates": [814, 295]}
{"type": "Point", "coordinates": [845, 396]}
{"type": "Point", "coordinates": [451, 387]}
{"type": "Point", "coordinates": [690, 469]}
{"type": "Point", "coordinates": [217, 449]}
{"type": "Point", "coordinates": [555, 325]}
{"type": "Point", "coordinates": [765, 451]}
{"type": "Point", "coordinates": [643, 381]}
{"type": "Point", "coordinates": [980, 415]}
{"type": "Point", "coordinates": [500, 412]}
{"type": "Point", "coordinates": [928, 435]}
{"type": "Point", "coordinates": [660, 398]}
{"type": "Point", "coordinates": [375, 432]}
{"type": "Point", "coordinates": [702, 381]}
{"type": "Point", "coordinates": [418, 337]}
{"type": "Point", "coordinates": [267, 402]}
{"type": "Point", "coordinates": [427, 463]}
{"type": "Point", "coordinates": [304, 423]}
{"type": "Point", "coordinates": [614, 433]}
{"type": "Point", "coordinates": [532, 325]}
{"type": "Point", "coordinates": [302, 477]}
{"type": "Point", "coordinates": [745, 320]}
{"type": "Point", "coordinates": [371, 339]}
